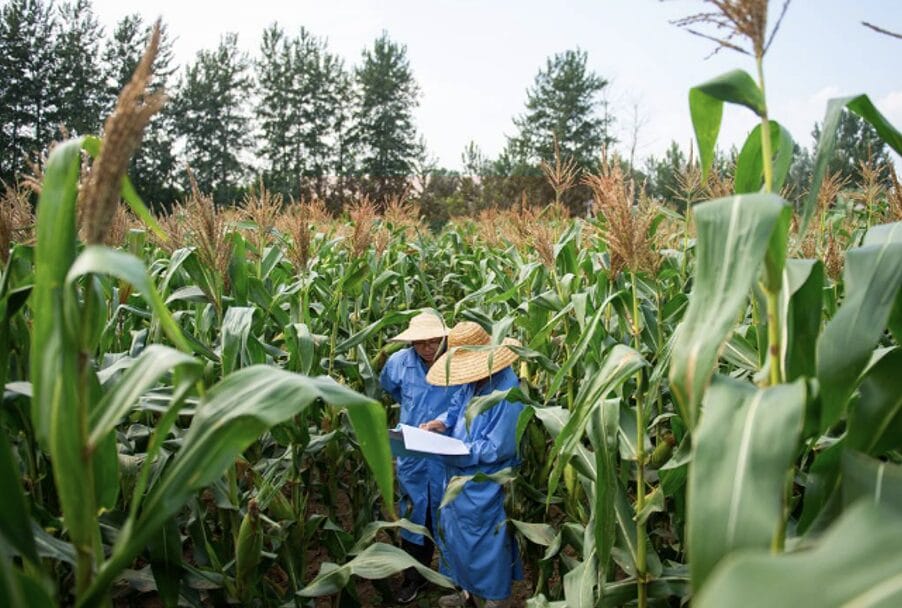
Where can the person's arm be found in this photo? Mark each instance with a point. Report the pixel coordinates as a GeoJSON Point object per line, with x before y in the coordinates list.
{"type": "Point", "coordinates": [445, 421]}
{"type": "Point", "coordinates": [494, 442]}
{"type": "Point", "coordinates": [390, 378]}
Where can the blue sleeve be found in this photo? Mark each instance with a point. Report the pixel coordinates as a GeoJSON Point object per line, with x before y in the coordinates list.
{"type": "Point", "coordinates": [390, 378]}
{"type": "Point", "coordinates": [459, 400]}
{"type": "Point", "coordinates": [495, 439]}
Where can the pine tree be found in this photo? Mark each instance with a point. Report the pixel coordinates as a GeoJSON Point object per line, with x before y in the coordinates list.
{"type": "Point", "coordinates": [564, 102]}
{"type": "Point", "coordinates": [78, 75]}
{"type": "Point", "coordinates": [384, 129]}
{"type": "Point", "coordinates": [27, 105]}
{"type": "Point", "coordinates": [302, 112]}
{"type": "Point", "coordinates": [273, 111]}
{"type": "Point", "coordinates": [212, 117]}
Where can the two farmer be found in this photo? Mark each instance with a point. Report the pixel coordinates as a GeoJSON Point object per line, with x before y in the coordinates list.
{"type": "Point", "coordinates": [477, 550]}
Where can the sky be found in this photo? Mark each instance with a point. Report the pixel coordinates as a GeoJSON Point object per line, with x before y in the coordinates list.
{"type": "Point", "coordinates": [475, 59]}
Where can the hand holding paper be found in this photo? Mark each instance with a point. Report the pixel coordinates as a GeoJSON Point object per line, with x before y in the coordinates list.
{"type": "Point", "coordinates": [424, 443]}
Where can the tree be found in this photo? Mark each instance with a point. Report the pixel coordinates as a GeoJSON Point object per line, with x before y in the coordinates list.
{"type": "Point", "coordinates": [564, 102]}
{"type": "Point", "coordinates": [274, 82]}
{"type": "Point", "coordinates": [302, 110]}
{"type": "Point", "coordinates": [152, 168]}
{"type": "Point", "coordinates": [212, 117]}
{"type": "Point", "coordinates": [856, 142]}
{"type": "Point", "coordinates": [27, 105]}
{"type": "Point", "coordinates": [663, 174]}
{"type": "Point", "coordinates": [78, 74]}
{"type": "Point", "coordinates": [384, 129]}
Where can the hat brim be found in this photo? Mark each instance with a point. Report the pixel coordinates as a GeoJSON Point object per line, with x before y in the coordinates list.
{"type": "Point", "coordinates": [463, 365]}
{"type": "Point", "coordinates": [418, 334]}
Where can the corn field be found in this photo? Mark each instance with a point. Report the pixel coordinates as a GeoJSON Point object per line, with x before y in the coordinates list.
{"type": "Point", "coordinates": [192, 410]}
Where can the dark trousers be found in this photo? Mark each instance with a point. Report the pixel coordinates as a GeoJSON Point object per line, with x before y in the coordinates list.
{"type": "Point", "coordinates": [421, 553]}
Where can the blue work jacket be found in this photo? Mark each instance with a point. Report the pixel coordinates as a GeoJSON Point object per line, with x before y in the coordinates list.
{"type": "Point", "coordinates": [421, 480]}
{"type": "Point", "coordinates": [478, 551]}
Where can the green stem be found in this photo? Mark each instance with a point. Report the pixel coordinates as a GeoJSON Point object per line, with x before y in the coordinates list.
{"type": "Point", "coordinates": [773, 339]}
{"type": "Point", "coordinates": [640, 458]}
{"type": "Point", "coordinates": [779, 539]}
{"type": "Point", "coordinates": [766, 147]}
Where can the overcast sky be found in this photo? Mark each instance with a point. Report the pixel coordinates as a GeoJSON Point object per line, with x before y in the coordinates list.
{"type": "Point", "coordinates": [474, 59]}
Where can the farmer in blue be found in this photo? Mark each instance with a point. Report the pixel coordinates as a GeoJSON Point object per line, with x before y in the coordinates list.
{"type": "Point", "coordinates": [478, 551]}
{"type": "Point", "coordinates": [421, 480]}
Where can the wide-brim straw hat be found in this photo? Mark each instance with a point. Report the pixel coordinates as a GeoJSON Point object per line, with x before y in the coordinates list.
{"type": "Point", "coordinates": [424, 326]}
{"type": "Point", "coordinates": [471, 356]}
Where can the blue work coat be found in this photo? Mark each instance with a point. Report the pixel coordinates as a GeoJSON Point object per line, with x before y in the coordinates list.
{"type": "Point", "coordinates": [478, 551]}
{"type": "Point", "coordinates": [421, 480]}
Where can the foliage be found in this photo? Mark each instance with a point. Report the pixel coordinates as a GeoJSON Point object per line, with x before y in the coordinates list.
{"type": "Point", "coordinates": [384, 131]}
{"type": "Point", "coordinates": [211, 112]}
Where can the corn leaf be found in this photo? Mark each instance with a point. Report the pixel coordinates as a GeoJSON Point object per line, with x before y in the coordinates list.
{"type": "Point", "coordinates": [742, 449]}
{"type": "Point", "coordinates": [54, 254]}
{"type": "Point", "coordinates": [706, 108]}
{"type": "Point", "coordinates": [875, 419]}
{"type": "Point", "coordinates": [96, 259]}
{"type": "Point", "coordinates": [861, 105]}
{"type": "Point", "coordinates": [144, 373]}
{"type": "Point", "coordinates": [873, 277]}
{"type": "Point", "coordinates": [869, 479]}
{"type": "Point", "coordinates": [749, 176]}
{"type": "Point", "coordinates": [15, 525]}
{"type": "Point", "coordinates": [857, 563]}
{"type": "Point", "coordinates": [734, 234]}
{"type": "Point", "coordinates": [802, 303]}
{"type": "Point", "coordinates": [376, 562]}
{"type": "Point", "coordinates": [232, 415]}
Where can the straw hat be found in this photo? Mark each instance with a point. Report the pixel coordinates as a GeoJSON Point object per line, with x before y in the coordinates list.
{"type": "Point", "coordinates": [464, 365]}
{"type": "Point", "coordinates": [424, 326]}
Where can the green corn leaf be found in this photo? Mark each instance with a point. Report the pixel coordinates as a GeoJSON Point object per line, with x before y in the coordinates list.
{"type": "Point", "coordinates": [579, 584]}
{"type": "Point", "coordinates": [861, 105]}
{"type": "Point", "coordinates": [232, 415]}
{"type": "Point", "coordinates": [369, 532]}
{"type": "Point", "coordinates": [144, 373]}
{"type": "Point", "coordinates": [378, 561]}
{"type": "Point", "coordinates": [621, 363]}
{"type": "Point", "coordinates": [801, 303]}
{"type": "Point", "coordinates": [749, 176]}
{"type": "Point", "coordinates": [625, 548]}
{"type": "Point", "coordinates": [869, 479]}
{"type": "Point", "coordinates": [15, 525]}
{"type": "Point", "coordinates": [19, 589]}
{"type": "Point", "coordinates": [873, 277]}
{"type": "Point", "coordinates": [734, 234]}
{"type": "Point", "coordinates": [236, 329]}
{"type": "Point", "coordinates": [54, 254]}
{"type": "Point", "coordinates": [875, 419]}
{"type": "Point", "coordinates": [540, 534]}
{"type": "Point", "coordinates": [96, 259]}
{"type": "Point", "coordinates": [822, 491]}
{"type": "Point", "coordinates": [706, 108]}
{"type": "Point", "coordinates": [742, 449]}
{"type": "Point", "coordinates": [603, 435]}
{"type": "Point", "coordinates": [481, 403]}
{"type": "Point", "coordinates": [165, 552]}
{"type": "Point", "coordinates": [301, 348]}
{"type": "Point", "coordinates": [238, 268]}
{"type": "Point", "coordinates": [394, 318]}
{"type": "Point", "coordinates": [857, 563]}
{"type": "Point", "coordinates": [456, 484]}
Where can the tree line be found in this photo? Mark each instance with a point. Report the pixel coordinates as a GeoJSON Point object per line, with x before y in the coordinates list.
{"type": "Point", "coordinates": [300, 121]}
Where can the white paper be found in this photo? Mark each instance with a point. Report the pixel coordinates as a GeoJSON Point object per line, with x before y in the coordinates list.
{"type": "Point", "coordinates": [418, 440]}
